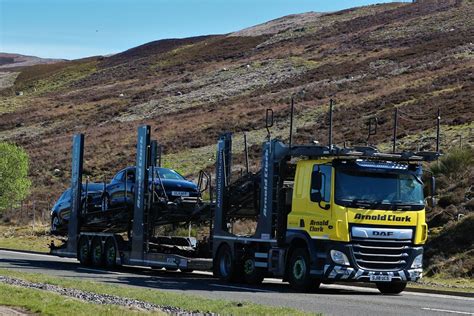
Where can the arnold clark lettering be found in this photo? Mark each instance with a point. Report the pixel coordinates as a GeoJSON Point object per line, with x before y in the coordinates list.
{"type": "Point", "coordinates": [387, 218]}
{"type": "Point", "coordinates": [317, 226]}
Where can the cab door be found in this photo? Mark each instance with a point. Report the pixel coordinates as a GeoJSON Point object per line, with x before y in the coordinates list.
{"type": "Point", "coordinates": [311, 207]}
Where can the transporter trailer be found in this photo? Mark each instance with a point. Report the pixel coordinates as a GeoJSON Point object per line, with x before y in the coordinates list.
{"type": "Point", "coordinates": [322, 214]}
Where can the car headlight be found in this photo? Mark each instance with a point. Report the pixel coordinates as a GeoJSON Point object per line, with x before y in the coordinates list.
{"type": "Point", "coordinates": [418, 262]}
{"type": "Point", "coordinates": [339, 257]}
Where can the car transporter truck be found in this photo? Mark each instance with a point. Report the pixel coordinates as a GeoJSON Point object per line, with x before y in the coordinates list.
{"type": "Point", "coordinates": [322, 214]}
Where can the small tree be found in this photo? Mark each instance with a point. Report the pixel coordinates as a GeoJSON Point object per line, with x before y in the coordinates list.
{"type": "Point", "coordinates": [14, 182]}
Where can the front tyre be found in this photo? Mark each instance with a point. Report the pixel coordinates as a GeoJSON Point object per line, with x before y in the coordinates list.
{"type": "Point", "coordinates": [391, 287]}
{"type": "Point", "coordinates": [299, 272]}
{"type": "Point", "coordinates": [224, 265]}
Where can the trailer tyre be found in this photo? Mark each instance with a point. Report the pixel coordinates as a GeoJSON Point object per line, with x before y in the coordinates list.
{"type": "Point", "coordinates": [97, 252]}
{"type": "Point", "coordinates": [224, 264]}
{"type": "Point", "coordinates": [391, 288]}
{"type": "Point", "coordinates": [252, 274]}
{"type": "Point", "coordinates": [83, 251]}
{"type": "Point", "coordinates": [299, 271]}
{"type": "Point", "coordinates": [110, 253]}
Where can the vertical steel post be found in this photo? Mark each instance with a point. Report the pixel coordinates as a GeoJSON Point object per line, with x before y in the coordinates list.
{"type": "Point", "coordinates": [246, 153]}
{"type": "Point", "coordinates": [76, 188]}
{"type": "Point", "coordinates": [330, 123]}
{"type": "Point", "coordinates": [395, 119]}
{"type": "Point", "coordinates": [141, 179]}
{"type": "Point", "coordinates": [292, 109]}
{"type": "Point", "coordinates": [438, 122]}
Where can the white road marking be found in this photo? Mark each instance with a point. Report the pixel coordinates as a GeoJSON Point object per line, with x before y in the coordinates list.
{"type": "Point", "coordinates": [242, 288]}
{"type": "Point", "coordinates": [445, 311]}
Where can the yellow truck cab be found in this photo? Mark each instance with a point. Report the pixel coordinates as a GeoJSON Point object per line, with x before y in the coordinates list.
{"type": "Point", "coordinates": [363, 220]}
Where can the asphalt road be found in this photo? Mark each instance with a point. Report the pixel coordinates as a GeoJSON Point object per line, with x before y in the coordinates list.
{"type": "Point", "coordinates": [330, 300]}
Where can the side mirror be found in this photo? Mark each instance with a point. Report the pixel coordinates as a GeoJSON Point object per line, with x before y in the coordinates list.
{"type": "Point", "coordinates": [431, 200]}
{"type": "Point", "coordinates": [316, 196]}
{"type": "Point", "coordinates": [316, 181]}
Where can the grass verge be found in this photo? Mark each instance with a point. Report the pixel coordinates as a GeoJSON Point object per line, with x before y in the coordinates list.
{"type": "Point", "coordinates": [47, 303]}
{"type": "Point", "coordinates": [183, 301]}
{"type": "Point", "coordinates": [25, 238]}
{"type": "Point", "coordinates": [464, 285]}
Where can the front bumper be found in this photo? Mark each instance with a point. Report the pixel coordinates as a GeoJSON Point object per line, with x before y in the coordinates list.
{"type": "Point", "coordinates": [333, 273]}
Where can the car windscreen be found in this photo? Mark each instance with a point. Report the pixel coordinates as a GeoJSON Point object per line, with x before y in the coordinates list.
{"type": "Point", "coordinates": [382, 190]}
{"type": "Point", "coordinates": [168, 174]}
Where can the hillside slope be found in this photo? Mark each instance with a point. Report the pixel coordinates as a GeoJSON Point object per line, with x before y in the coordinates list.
{"type": "Point", "coordinates": [416, 57]}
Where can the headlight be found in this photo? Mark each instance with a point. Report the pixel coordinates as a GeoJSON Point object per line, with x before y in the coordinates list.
{"type": "Point", "coordinates": [418, 262]}
{"type": "Point", "coordinates": [339, 257]}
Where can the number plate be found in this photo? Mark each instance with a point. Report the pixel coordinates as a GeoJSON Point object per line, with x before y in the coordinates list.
{"type": "Point", "coordinates": [380, 278]}
{"type": "Point", "coordinates": [179, 193]}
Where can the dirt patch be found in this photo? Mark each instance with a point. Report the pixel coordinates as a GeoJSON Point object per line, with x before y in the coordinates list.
{"type": "Point", "coordinates": [13, 311]}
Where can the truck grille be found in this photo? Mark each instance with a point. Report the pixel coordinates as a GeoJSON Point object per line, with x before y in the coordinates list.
{"type": "Point", "coordinates": [381, 254]}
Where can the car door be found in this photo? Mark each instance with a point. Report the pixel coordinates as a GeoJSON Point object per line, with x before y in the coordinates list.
{"type": "Point", "coordinates": [129, 186]}
{"type": "Point", "coordinates": [115, 189]}
{"type": "Point", "coordinates": [64, 205]}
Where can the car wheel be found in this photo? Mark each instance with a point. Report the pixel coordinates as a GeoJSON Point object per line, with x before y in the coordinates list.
{"type": "Point", "coordinates": [83, 251]}
{"type": "Point", "coordinates": [97, 254]}
{"type": "Point", "coordinates": [391, 287]}
{"type": "Point", "coordinates": [299, 271]}
{"type": "Point", "coordinates": [55, 223]}
{"type": "Point", "coordinates": [110, 253]}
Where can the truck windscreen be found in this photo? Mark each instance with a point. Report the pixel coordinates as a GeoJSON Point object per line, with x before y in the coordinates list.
{"type": "Point", "coordinates": [378, 190]}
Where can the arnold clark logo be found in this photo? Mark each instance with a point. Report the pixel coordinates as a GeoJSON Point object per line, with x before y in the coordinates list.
{"type": "Point", "coordinates": [385, 217]}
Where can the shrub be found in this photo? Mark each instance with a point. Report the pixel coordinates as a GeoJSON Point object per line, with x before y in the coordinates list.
{"type": "Point", "coordinates": [456, 164]}
{"type": "Point", "coordinates": [14, 182]}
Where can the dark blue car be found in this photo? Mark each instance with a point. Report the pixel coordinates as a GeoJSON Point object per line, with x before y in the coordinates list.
{"type": "Point", "coordinates": [62, 208]}
{"type": "Point", "coordinates": [168, 184]}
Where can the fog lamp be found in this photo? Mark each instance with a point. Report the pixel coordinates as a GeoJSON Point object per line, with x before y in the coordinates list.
{"type": "Point", "coordinates": [418, 262]}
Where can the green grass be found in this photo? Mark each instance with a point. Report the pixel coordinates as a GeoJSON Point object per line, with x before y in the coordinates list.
{"type": "Point", "coordinates": [184, 301]}
{"type": "Point", "coordinates": [48, 303]}
{"type": "Point", "coordinates": [439, 283]}
{"type": "Point", "coordinates": [25, 238]}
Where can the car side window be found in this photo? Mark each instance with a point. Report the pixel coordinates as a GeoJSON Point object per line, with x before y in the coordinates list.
{"type": "Point", "coordinates": [130, 175]}
{"type": "Point", "coordinates": [119, 176]}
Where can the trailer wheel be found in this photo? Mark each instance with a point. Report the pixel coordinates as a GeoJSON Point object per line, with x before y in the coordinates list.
{"type": "Point", "coordinates": [391, 287]}
{"type": "Point", "coordinates": [224, 264]}
{"type": "Point", "coordinates": [83, 251]}
{"type": "Point", "coordinates": [110, 253]}
{"type": "Point", "coordinates": [97, 253]}
{"type": "Point", "coordinates": [252, 274]}
{"type": "Point", "coordinates": [299, 271]}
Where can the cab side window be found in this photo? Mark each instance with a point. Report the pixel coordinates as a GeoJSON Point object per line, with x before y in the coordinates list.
{"type": "Point", "coordinates": [326, 172]}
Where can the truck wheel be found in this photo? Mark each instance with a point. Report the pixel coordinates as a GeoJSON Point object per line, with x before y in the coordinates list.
{"type": "Point", "coordinates": [97, 253]}
{"type": "Point", "coordinates": [299, 272]}
{"type": "Point", "coordinates": [83, 251]}
{"type": "Point", "coordinates": [391, 288]}
{"type": "Point", "coordinates": [110, 253]}
{"type": "Point", "coordinates": [252, 274]}
{"type": "Point", "coordinates": [224, 265]}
